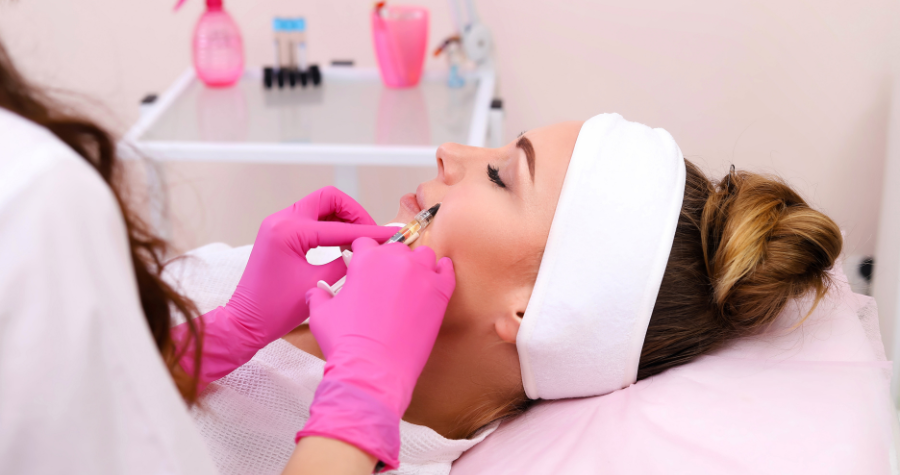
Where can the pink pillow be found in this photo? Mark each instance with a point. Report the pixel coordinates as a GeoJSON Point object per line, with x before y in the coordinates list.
{"type": "Point", "coordinates": [812, 399]}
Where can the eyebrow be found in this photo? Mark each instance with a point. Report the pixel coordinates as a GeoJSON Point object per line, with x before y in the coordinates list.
{"type": "Point", "coordinates": [525, 144]}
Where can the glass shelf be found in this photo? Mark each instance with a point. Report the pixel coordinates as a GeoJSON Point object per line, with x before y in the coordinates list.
{"type": "Point", "coordinates": [350, 119]}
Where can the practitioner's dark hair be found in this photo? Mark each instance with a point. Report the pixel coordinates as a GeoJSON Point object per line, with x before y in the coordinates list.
{"type": "Point", "coordinates": [98, 148]}
{"type": "Point", "coordinates": [743, 248]}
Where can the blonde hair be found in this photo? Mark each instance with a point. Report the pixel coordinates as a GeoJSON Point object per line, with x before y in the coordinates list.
{"type": "Point", "coordinates": [744, 247]}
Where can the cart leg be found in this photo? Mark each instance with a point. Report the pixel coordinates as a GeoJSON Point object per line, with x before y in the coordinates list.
{"type": "Point", "coordinates": [346, 179]}
{"type": "Point", "coordinates": [157, 200]}
{"type": "Point", "coordinates": [495, 124]}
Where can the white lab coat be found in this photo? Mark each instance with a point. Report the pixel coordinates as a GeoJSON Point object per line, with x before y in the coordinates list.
{"type": "Point", "coordinates": [83, 389]}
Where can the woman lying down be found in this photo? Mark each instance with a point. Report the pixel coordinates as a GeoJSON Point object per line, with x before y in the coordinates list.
{"type": "Point", "coordinates": [587, 256]}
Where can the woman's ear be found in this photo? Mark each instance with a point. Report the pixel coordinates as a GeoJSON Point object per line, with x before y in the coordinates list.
{"type": "Point", "coordinates": [507, 327]}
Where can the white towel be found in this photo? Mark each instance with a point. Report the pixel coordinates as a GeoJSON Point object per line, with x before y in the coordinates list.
{"type": "Point", "coordinates": [609, 243]}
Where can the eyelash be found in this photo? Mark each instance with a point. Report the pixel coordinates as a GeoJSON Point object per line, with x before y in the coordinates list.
{"type": "Point", "coordinates": [494, 175]}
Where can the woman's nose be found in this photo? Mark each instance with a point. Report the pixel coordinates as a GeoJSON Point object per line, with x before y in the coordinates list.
{"type": "Point", "coordinates": [452, 161]}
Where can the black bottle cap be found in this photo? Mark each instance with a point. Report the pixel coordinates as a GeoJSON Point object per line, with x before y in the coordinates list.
{"type": "Point", "coordinates": [314, 74]}
{"type": "Point", "coordinates": [268, 74]}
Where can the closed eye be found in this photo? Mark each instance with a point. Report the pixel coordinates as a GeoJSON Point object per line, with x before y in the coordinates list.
{"type": "Point", "coordinates": [494, 175]}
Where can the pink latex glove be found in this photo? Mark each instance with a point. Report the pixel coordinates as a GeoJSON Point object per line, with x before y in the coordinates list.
{"type": "Point", "coordinates": [376, 335]}
{"type": "Point", "coordinates": [270, 298]}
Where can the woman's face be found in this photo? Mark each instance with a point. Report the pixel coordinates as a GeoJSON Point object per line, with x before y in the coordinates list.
{"type": "Point", "coordinates": [496, 209]}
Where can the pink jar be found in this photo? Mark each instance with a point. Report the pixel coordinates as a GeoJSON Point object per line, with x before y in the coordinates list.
{"type": "Point", "coordinates": [400, 34]}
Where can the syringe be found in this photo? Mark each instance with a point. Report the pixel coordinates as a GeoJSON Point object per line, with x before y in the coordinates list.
{"type": "Point", "coordinates": [406, 235]}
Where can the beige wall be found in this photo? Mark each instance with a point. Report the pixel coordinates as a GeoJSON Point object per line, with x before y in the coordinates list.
{"type": "Point", "coordinates": [794, 87]}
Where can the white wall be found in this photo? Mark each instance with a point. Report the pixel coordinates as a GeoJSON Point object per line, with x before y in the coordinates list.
{"type": "Point", "coordinates": [886, 285]}
{"type": "Point", "coordinates": [794, 87]}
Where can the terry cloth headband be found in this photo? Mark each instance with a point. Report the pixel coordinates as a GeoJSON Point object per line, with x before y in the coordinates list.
{"type": "Point", "coordinates": [609, 243]}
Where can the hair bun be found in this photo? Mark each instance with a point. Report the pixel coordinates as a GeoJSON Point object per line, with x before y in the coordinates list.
{"type": "Point", "coordinates": [763, 246]}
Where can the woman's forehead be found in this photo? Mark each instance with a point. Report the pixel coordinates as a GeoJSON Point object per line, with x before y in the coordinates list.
{"type": "Point", "coordinates": [553, 146]}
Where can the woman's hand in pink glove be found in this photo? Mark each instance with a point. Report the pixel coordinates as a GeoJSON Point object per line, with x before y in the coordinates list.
{"type": "Point", "coordinates": [270, 298]}
{"type": "Point", "coordinates": [376, 335]}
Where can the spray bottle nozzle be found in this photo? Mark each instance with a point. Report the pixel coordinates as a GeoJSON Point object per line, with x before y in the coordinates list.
{"type": "Point", "coordinates": [209, 4]}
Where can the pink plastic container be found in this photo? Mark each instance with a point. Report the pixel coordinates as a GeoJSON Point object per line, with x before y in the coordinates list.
{"type": "Point", "coordinates": [218, 47]}
{"type": "Point", "coordinates": [400, 33]}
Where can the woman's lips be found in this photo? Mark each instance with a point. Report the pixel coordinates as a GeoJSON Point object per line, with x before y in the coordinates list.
{"type": "Point", "coordinates": [410, 202]}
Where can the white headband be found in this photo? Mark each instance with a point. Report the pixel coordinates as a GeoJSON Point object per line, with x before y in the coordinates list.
{"type": "Point", "coordinates": [609, 243]}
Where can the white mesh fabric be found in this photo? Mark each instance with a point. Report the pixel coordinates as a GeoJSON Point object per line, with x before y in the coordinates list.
{"type": "Point", "coordinates": [249, 418]}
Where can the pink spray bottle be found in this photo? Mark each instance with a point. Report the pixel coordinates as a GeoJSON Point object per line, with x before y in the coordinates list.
{"type": "Point", "coordinates": [218, 47]}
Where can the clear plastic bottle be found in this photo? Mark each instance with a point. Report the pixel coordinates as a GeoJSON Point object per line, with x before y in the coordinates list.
{"type": "Point", "coordinates": [218, 47]}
